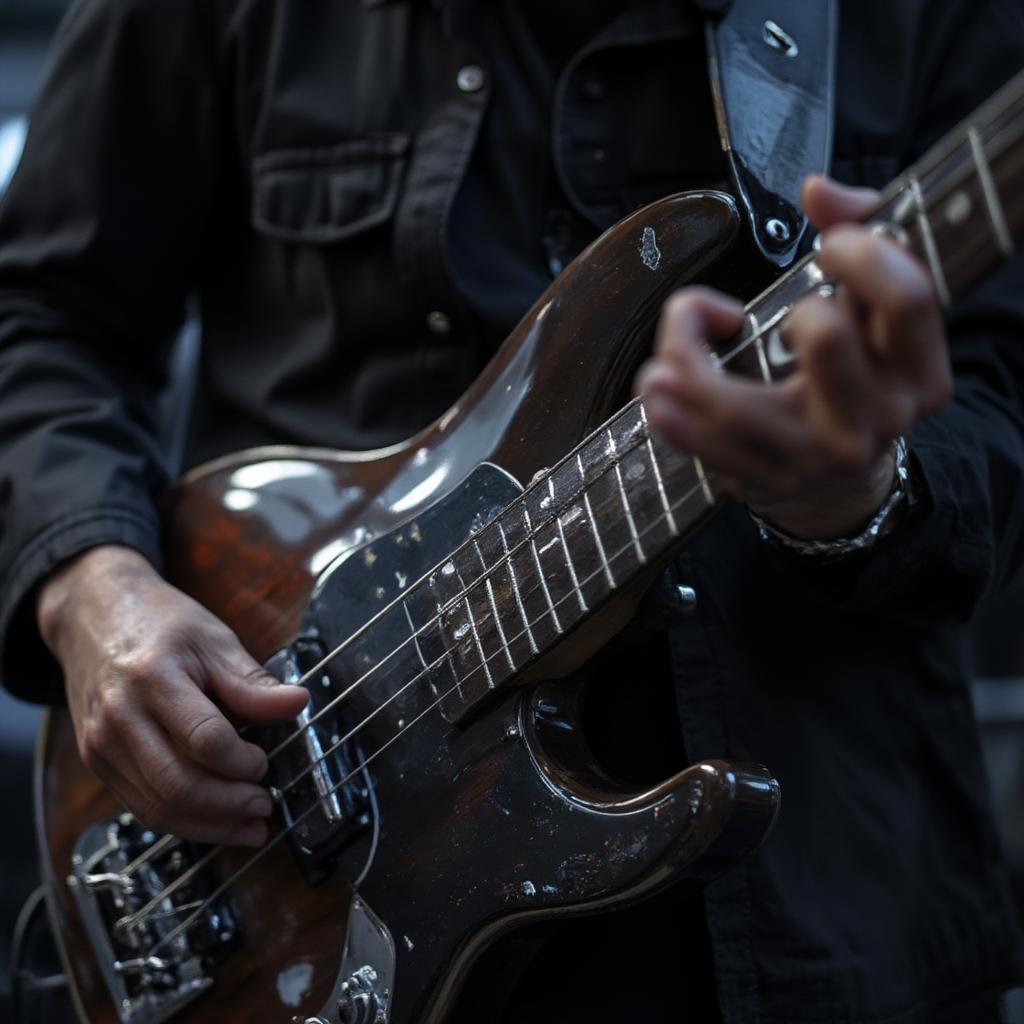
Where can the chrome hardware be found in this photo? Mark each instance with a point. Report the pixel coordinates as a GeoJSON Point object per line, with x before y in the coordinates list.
{"type": "Point", "coordinates": [107, 880]}
{"type": "Point", "coordinates": [362, 992]}
{"type": "Point", "coordinates": [327, 806]}
{"type": "Point", "coordinates": [778, 231]}
{"type": "Point", "coordinates": [141, 965]}
{"type": "Point", "coordinates": [471, 78]}
{"type": "Point", "coordinates": [779, 39]}
{"type": "Point", "coordinates": [132, 890]}
{"type": "Point", "coordinates": [686, 598]}
{"type": "Point", "coordinates": [360, 1002]}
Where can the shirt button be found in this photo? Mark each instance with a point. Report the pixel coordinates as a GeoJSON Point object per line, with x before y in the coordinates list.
{"type": "Point", "coordinates": [592, 89]}
{"type": "Point", "coordinates": [438, 322]}
{"type": "Point", "coordinates": [470, 78]}
{"type": "Point", "coordinates": [599, 155]}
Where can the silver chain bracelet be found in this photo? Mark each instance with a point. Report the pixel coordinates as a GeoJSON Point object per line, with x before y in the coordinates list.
{"type": "Point", "coordinates": [881, 523]}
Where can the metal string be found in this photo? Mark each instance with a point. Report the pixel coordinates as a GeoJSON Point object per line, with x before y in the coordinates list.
{"type": "Point", "coordinates": [313, 672]}
{"type": "Point", "coordinates": [186, 876]}
{"type": "Point", "coordinates": [310, 674]}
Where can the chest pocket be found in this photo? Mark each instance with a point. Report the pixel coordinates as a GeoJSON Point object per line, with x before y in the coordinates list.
{"type": "Point", "coordinates": [328, 194]}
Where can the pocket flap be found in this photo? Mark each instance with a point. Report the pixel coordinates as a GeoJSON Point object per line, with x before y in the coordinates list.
{"type": "Point", "coordinates": [330, 194]}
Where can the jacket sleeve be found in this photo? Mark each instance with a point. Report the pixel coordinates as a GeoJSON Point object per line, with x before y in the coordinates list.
{"type": "Point", "coordinates": [963, 536]}
{"type": "Point", "coordinates": [99, 231]}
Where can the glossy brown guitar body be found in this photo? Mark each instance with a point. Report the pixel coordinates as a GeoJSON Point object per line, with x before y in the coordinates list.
{"type": "Point", "coordinates": [481, 821]}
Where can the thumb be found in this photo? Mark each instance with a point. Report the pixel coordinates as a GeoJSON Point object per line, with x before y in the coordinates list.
{"type": "Point", "coordinates": [249, 691]}
{"type": "Point", "coordinates": [828, 203]}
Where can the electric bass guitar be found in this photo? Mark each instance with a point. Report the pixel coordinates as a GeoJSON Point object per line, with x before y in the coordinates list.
{"type": "Point", "coordinates": [430, 596]}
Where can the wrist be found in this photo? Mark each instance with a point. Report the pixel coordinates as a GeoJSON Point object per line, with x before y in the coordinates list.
{"type": "Point", "coordinates": [58, 595]}
{"type": "Point", "coordinates": [888, 512]}
{"type": "Point", "coordinates": [837, 508]}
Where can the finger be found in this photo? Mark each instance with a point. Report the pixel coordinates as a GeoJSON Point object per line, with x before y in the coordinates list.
{"type": "Point", "coordinates": [181, 792]}
{"type": "Point", "coordinates": [245, 688]}
{"type": "Point", "coordinates": [749, 435]}
{"type": "Point", "coordinates": [828, 203]}
{"type": "Point", "coordinates": [199, 729]}
{"type": "Point", "coordinates": [244, 832]}
{"type": "Point", "coordinates": [690, 320]}
{"type": "Point", "coordinates": [905, 324]}
{"type": "Point", "coordinates": [842, 391]}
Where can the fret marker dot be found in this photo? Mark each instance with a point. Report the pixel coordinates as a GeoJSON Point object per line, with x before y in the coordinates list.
{"type": "Point", "coordinates": [958, 209]}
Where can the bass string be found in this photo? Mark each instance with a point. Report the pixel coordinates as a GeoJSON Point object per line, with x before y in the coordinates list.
{"type": "Point", "coordinates": [313, 672]}
{"type": "Point", "coordinates": [307, 677]}
{"type": "Point", "coordinates": [426, 669]}
{"type": "Point", "coordinates": [142, 914]}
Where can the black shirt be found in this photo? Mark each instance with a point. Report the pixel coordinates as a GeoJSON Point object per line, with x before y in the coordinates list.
{"type": "Point", "coordinates": [298, 166]}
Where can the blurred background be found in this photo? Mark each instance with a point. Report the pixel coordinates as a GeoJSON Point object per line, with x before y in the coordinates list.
{"type": "Point", "coordinates": [25, 30]}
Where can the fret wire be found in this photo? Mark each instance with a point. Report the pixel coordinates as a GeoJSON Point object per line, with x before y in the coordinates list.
{"type": "Point", "coordinates": [991, 194]}
{"type": "Point", "coordinates": [497, 622]}
{"type": "Point", "coordinates": [705, 486]}
{"type": "Point", "coordinates": [494, 604]}
{"type": "Point", "coordinates": [593, 524]}
{"type": "Point", "coordinates": [540, 570]}
{"type": "Point", "coordinates": [415, 633]}
{"type": "Point", "coordinates": [515, 588]}
{"type": "Point", "coordinates": [565, 547]}
{"type": "Point", "coordinates": [656, 468]}
{"type": "Point", "coordinates": [625, 501]}
{"type": "Point", "coordinates": [762, 358]}
{"type": "Point", "coordinates": [472, 625]}
{"type": "Point", "coordinates": [517, 503]}
{"type": "Point", "coordinates": [928, 238]}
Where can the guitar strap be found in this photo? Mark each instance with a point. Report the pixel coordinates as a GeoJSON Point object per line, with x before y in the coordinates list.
{"type": "Point", "coordinates": [772, 66]}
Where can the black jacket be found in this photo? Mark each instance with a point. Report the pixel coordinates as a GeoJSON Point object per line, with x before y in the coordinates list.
{"type": "Point", "coordinates": [297, 166]}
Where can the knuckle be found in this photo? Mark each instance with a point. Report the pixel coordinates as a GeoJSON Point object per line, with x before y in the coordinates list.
{"type": "Point", "coordinates": [154, 815]}
{"type": "Point", "coordinates": [210, 737]}
{"type": "Point", "coordinates": [172, 785]}
{"type": "Point", "coordinates": [89, 749]}
{"type": "Point", "coordinates": [114, 714]}
{"type": "Point", "coordinates": [140, 667]}
{"type": "Point", "coordinates": [679, 302]}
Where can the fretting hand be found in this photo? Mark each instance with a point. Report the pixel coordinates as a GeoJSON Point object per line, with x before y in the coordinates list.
{"type": "Point", "coordinates": [147, 672]}
{"type": "Point", "coordinates": [813, 453]}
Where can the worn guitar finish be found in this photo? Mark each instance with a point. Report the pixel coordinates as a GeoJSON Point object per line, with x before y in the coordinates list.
{"type": "Point", "coordinates": [441, 792]}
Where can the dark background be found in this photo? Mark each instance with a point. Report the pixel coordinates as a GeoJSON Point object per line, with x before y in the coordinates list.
{"type": "Point", "coordinates": [25, 28]}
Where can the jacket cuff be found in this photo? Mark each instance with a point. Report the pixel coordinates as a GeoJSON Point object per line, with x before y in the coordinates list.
{"type": "Point", "coordinates": [28, 669]}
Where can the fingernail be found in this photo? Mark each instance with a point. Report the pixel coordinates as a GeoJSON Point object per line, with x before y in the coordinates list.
{"type": "Point", "coordinates": [260, 807]}
{"type": "Point", "coordinates": [252, 834]}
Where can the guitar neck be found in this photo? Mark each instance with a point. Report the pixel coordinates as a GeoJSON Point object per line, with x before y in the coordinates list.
{"type": "Point", "coordinates": [960, 210]}
{"type": "Point", "coordinates": [624, 500]}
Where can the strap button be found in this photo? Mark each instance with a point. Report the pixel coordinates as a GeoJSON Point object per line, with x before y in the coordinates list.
{"type": "Point", "coordinates": [471, 78]}
{"type": "Point", "coordinates": [438, 322]}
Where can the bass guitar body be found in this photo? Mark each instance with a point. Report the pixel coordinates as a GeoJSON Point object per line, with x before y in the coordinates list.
{"type": "Point", "coordinates": [439, 791]}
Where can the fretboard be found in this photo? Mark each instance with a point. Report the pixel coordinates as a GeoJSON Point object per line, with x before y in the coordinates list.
{"type": "Point", "coordinates": [624, 499]}
{"type": "Point", "coordinates": [613, 507]}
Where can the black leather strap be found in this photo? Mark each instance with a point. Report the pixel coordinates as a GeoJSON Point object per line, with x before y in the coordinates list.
{"type": "Point", "coordinates": [772, 65]}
